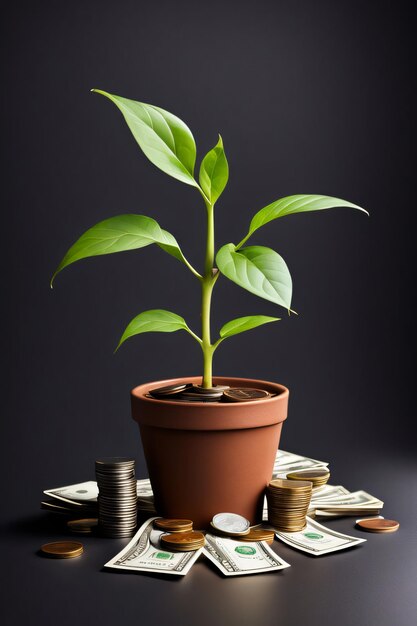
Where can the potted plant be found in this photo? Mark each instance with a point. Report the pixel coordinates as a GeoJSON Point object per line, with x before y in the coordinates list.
{"type": "Point", "coordinates": [203, 457]}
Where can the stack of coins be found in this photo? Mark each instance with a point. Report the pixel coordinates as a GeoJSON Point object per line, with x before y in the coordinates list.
{"type": "Point", "coordinates": [183, 541]}
{"type": "Point", "coordinates": [173, 525]}
{"type": "Point", "coordinates": [288, 503]}
{"type": "Point", "coordinates": [117, 496]}
{"type": "Point", "coordinates": [318, 477]}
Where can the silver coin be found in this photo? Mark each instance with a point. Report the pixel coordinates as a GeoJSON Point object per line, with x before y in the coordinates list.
{"type": "Point", "coordinates": [230, 523]}
{"type": "Point", "coordinates": [212, 392]}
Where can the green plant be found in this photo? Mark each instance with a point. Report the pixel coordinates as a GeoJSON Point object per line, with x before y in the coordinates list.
{"type": "Point", "coordinates": [169, 144]}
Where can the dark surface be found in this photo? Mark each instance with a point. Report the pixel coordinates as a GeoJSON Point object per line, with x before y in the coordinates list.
{"type": "Point", "coordinates": [374, 583]}
{"type": "Point", "coordinates": [310, 97]}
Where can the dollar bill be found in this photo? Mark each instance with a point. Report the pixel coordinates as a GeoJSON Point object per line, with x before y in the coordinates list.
{"type": "Point", "coordinates": [238, 558]}
{"type": "Point", "coordinates": [286, 462]}
{"type": "Point", "coordinates": [145, 554]}
{"type": "Point", "coordinates": [80, 493]}
{"type": "Point", "coordinates": [327, 492]}
{"type": "Point", "coordinates": [315, 539]}
{"type": "Point", "coordinates": [351, 501]}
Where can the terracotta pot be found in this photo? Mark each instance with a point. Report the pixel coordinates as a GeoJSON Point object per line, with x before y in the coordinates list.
{"type": "Point", "coordinates": [204, 458]}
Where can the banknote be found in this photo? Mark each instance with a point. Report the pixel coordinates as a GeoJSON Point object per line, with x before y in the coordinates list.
{"type": "Point", "coordinates": [349, 501]}
{"type": "Point", "coordinates": [144, 553]}
{"type": "Point", "coordinates": [237, 558]}
{"type": "Point", "coordinates": [315, 539]}
{"type": "Point", "coordinates": [286, 462]}
{"type": "Point", "coordinates": [327, 492]}
{"type": "Point", "coordinates": [79, 493]}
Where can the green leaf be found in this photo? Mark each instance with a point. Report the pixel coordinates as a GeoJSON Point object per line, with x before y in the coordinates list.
{"type": "Point", "coordinates": [154, 321]}
{"type": "Point", "coordinates": [214, 172]}
{"type": "Point", "coordinates": [118, 234]}
{"type": "Point", "coordinates": [242, 324]}
{"type": "Point", "coordinates": [260, 270]}
{"type": "Point", "coordinates": [164, 138]}
{"type": "Point", "coordinates": [296, 204]}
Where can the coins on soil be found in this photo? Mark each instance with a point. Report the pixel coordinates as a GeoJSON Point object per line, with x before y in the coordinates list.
{"type": "Point", "coordinates": [244, 394]}
{"type": "Point", "coordinates": [173, 525]}
{"type": "Point", "coordinates": [183, 542]}
{"type": "Point", "coordinates": [378, 525]}
{"type": "Point", "coordinates": [62, 549]}
{"type": "Point", "coordinates": [230, 523]}
{"type": "Point", "coordinates": [169, 390]}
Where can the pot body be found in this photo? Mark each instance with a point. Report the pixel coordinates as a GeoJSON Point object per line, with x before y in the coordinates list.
{"type": "Point", "coordinates": [205, 458]}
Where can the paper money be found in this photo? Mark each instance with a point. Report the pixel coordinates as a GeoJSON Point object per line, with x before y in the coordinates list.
{"type": "Point", "coordinates": [327, 492]}
{"type": "Point", "coordinates": [286, 462]}
{"type": "Point", "coordinates": [238, 558]}
{"type": "Point", "coordinates": [81, 493]}
{"type": "Point", "coordinates": [315, 539]}
{"type": "Point", "coordinates": [144, 553]}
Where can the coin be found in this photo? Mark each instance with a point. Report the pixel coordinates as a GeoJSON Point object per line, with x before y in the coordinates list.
{"type": "Point", "coordinates": [221, 533]}
{"type": "Point", "coordinates": [378, 525]}
{"type": "Point", "coordinates": [244, 394]}
{"type": "Point", "coordinates": [173, 525]}
{"type": "Point", "coordinates": [230, 523]}
{"type": "Point", "coordinates": [259, 534]}
{"type": "Point", "coordinates": [318, 477]}
{"type": "Point", "coordinates": [169, 390]}
{"type": "Point", "coordinates": [114, 461]}
{"type": "Point", "coordinates": [82, 526]}
{"type": "Point", "coordinates": [194, 396]}
{"type": "Point", "coordinates": [212, 392]}
{"type": "Point", "coordinates": [62, 549]}
{"type": "Point", "coordinates": [183, 542]}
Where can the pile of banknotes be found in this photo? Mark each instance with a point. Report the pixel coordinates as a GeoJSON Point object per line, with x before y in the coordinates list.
{"type": "Point", "coordinates": [327, 501]}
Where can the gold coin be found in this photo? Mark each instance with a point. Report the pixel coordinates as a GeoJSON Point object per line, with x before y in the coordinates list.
{"type": "Point", "coordinates": [173, 525]}
{"type": "Point", "coordinates": [259, 534]}
{"type": "Point", "coordinates": [379, 525]}
{"type": "Point", "coordinates": [184, 542]}
{"type": "Point", "coordinates": [82, 526]}
{"type": "Point", "coordinates": [63, 549]}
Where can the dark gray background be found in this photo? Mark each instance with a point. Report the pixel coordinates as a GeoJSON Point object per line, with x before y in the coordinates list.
{"type": "Point", "coordinates": [310, 97]}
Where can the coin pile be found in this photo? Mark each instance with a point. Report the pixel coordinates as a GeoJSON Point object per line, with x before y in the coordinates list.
{"type": "Point", "coordinates": [288, 503]}
{"type": "Point", "coordinates": [173, 525]}
{"type": "Point", "coordinates": [117, 496]}
{"type": "Point", "coordinates": [183, 541]}
{"type": "Point", "coordinates": [187, 392]}
{"type": "Point", "coordinates": [318, 477]}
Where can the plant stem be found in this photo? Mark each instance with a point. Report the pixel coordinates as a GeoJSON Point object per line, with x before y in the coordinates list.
{"type": "Point", "coordinates": [207, 285]}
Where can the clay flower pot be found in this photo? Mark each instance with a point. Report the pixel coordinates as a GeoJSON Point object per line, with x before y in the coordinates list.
{"type": "Point", "coordinates": [204, 458]}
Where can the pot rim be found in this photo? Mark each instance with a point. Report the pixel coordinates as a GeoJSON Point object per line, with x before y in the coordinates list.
{"type": "Point", "coordinates": [209, 416]}
{"type": "Point", "coordinates": [140, 391]}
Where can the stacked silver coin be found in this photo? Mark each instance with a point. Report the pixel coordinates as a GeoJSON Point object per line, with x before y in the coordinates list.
{"type": "Point", "coordinates": [117, 496]}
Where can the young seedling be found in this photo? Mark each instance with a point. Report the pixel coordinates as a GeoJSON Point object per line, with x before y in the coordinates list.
{"type": "Point", "coordinates": [169, 144]}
